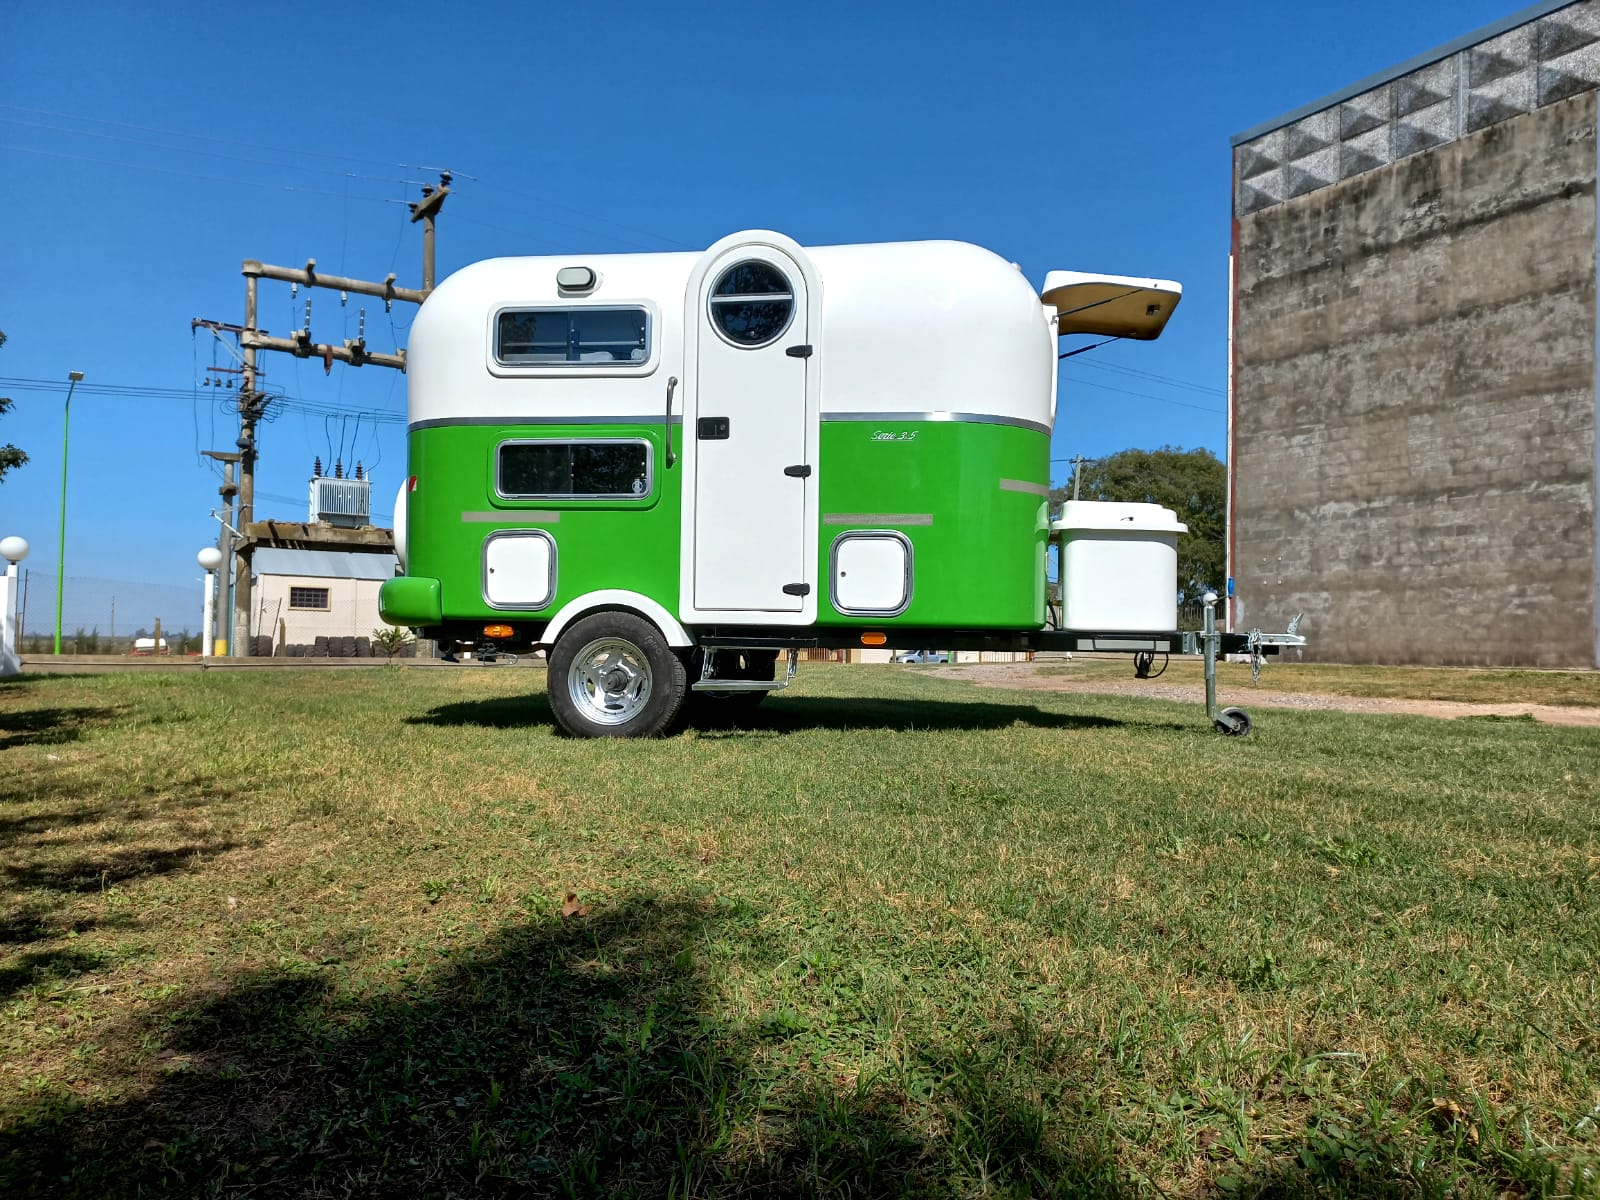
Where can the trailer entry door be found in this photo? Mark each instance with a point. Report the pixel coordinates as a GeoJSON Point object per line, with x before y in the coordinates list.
{"type": "Point", "coordinates": [749, 427]}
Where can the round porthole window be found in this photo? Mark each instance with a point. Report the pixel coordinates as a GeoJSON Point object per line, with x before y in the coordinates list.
{"type": "Point", "coordinates": [752, 303]}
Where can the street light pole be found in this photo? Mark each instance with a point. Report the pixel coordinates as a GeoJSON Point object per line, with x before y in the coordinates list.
{"type": "Point", "coordinates": [76, 377]}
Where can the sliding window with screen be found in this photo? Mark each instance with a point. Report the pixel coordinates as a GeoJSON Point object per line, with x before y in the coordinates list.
{"type": "Point", "coordinates": [559, 469]}
{"type": "Point", "coordinates": [563, 337]}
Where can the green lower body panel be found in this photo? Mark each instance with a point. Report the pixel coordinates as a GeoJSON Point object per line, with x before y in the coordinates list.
{"type": "Point", "coordinates": [969, 498]}
{"type": "Point", "coordinates": [972, 499]}
{"type": "Point", "coordinates": [629, 543]}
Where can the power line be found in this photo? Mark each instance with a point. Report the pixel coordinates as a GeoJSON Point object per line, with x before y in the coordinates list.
{"type": "Point", "coordinates": [1146, 396]}
{"type": "Point", "coordinates": [207, 137]}
{"type": "Point", "coordinates": [1169, 380]}
{"type": "Point", "coordinates": [117, 137]}
{"type": "Point", "coordinates": [286, 403]}
{"type": "Point", "coordinates": [231, 182]}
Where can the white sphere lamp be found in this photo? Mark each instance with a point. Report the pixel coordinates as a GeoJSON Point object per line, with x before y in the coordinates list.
{"type": "Point", "coordinates": [13, 549]}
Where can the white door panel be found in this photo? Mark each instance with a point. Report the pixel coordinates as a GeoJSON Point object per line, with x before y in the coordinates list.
{"type": "Point", "coordinates": [749, 425]}
{"type": "Point", "coordinates": [872, 574]}
{"type": "Point", "coordinates": [519, 570]}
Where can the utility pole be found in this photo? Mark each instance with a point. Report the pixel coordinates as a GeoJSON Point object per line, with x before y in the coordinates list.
{"type": "Point", "coordinates": [229, 491]}
{"type": "Point", "coordinates": [113, 618]}
{"type": "Point", "coordinates": [253, 403]}
{"type": "Point", "coordinates": [1077, 474]}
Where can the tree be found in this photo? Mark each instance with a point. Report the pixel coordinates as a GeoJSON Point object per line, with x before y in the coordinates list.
{"type": "Point", "coordinates": [10, 456]}
{"type": "Point", "coordinates": [1193, 483]}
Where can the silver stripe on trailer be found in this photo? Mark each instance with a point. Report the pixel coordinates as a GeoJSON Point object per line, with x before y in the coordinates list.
{"type": "Point", "coordinates": [1022, 485]}
{"type": "Point", "coordinates": [968, 418]}
{"type": "Point", "coordinates": [578, 419]}
{"type": "Point", "coordinates": [519, 517]}
{"type": "Point", "coordinates": [877, 518]}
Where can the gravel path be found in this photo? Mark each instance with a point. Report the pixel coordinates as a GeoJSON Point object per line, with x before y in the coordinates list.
{"type": "Point", "coordinates": [1026, 676]}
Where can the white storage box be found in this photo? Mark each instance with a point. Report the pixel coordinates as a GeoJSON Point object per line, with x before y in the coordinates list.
{"type": "Point", "coordinates": [1119, 566]}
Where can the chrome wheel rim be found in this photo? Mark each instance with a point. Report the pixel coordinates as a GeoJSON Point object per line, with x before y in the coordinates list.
{"type": "Point", "coordinates": [609, 681]}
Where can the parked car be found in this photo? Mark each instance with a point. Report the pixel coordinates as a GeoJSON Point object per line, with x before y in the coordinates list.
{"type": "Point", "coordinates": [922, 656]}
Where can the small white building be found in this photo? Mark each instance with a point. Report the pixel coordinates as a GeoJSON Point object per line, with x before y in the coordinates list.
{"type": "Point", "coordinates": [303, 595]}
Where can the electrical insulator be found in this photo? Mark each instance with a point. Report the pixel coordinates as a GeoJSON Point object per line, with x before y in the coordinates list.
{"type": "Point", "coordinates": [294, 290]}
{"type": "Point", "coordinates": [342, 298]}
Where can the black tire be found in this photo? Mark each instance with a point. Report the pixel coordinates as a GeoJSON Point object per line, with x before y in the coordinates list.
{"type": "Point", "coordinates": [319, 647]}
{"type": "Point", "coordinates": [363, 647]}
{"type": "Point", "coordinates": [613, 675]}
{"type": "Point", "coordinates": [347, 647]}
{"type": "Point", "coordinates": [716, 708]}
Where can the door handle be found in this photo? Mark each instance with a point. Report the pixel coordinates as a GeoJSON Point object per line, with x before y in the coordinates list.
{"type": "Point", "coordinates": [672, 383]}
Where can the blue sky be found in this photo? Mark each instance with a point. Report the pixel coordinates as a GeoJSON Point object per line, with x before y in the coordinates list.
{"type": "Point", "coordinates": [147, 152]}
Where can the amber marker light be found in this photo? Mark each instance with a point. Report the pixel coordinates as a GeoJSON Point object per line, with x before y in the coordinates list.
{"type": "Point", "coordinates": [874, 639]}
{"type": "Point", "coordinates": [497, 631]}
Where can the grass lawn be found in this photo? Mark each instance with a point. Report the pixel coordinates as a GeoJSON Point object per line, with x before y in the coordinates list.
{"type": "Point", "coordinates": [304, 934]}
{"type": "Point", "coordinates": [1579, 689]}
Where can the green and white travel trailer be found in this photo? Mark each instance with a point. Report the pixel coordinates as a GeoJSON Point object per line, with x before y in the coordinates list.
{"type": "Point", "coordinates": [668, 468]}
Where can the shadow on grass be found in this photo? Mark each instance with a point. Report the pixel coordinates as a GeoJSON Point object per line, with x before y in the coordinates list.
{"type": "Point", "coordinates": [49, 726]}
{"type": "Point", "coordinates": [49, 857]}
{"type": "Point", "coordinates": [561, 1058]}
{"type": "Point", "coordinates": [792, 714]}
{"type": "Point", "coordinates": [39, 966]}
{"type": "Point", "coordinates": [506, 712]}
{"type": "Point", "coordinates": [586, 1058]}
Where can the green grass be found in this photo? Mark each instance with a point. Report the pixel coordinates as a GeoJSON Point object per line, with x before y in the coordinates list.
{"type": "Point", "coordinates": [302, 934]}
{"type": "Point", "coordinates": [1580, 689]}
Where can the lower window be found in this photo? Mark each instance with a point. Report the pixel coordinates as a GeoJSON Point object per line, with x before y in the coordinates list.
{"type": "Point", "coordinates": [597, 469]}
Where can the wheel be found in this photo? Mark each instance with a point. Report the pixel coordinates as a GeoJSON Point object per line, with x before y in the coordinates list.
{"type": "Point", "coordinates": [613, 675]}
{"type": "Point", "coordinates": [1234, 722]}
{"type": "Point", "coordinates": [1142, 662]}
{"type": "Point", "coordinates": [717, 707]}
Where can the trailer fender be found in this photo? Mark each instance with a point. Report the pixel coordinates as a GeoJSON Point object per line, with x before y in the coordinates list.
{"type": "Point", "coordinates": [614, 598]}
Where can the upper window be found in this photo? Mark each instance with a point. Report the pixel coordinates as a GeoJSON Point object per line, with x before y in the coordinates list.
{"type": "Point", "coordinates": [528, 337]}
{"type": "Point", "coordinates": [309, 597]}
{"type": "Point", "coordinates": [752, 303]}
{"type": "Point", "coordinates": [613, 469]}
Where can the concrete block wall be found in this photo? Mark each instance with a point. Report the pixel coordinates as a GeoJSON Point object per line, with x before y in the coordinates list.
{"type": "Point", "coordinates": [1414, 429]}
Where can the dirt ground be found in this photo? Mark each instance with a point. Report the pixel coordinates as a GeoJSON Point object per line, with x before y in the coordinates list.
{"type": "Point", "coordinates": [1029, 676]}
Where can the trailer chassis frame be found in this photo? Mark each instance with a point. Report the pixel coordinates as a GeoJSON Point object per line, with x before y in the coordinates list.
{"type": "Point", "coordinates": [1208, 643]}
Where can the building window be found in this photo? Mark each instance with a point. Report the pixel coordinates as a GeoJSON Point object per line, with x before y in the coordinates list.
{"type": "Point", "coordinates": [309, 597]}
{"type": "Point", "coordinates": [601, 469]}
{"type": "Point", "coordinates": [752, 303]}
{"type": "Point", "coordinates": [541, 337]}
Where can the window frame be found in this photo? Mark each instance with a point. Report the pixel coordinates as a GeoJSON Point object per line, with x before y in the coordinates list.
{"type": "Point", "coordinates": [608, 497]}
{"type": "Point", "coordinates": [325, 606]}
{"type": "Point", "coordinates": [502, 366]}
{"type": "Point", "coordinates": [713, 299]}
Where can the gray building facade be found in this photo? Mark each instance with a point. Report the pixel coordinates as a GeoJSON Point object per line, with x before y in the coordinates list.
{"type": "Point", "coordinates": [1413, 400]}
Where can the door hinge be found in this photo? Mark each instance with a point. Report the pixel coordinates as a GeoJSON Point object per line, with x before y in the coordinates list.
{"type": "Point", "coordinates": [802, 351]}
{"type": "Point", "coordinates": [797, 589]}
{"type": "Point", "coordinates": [802, 471]}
